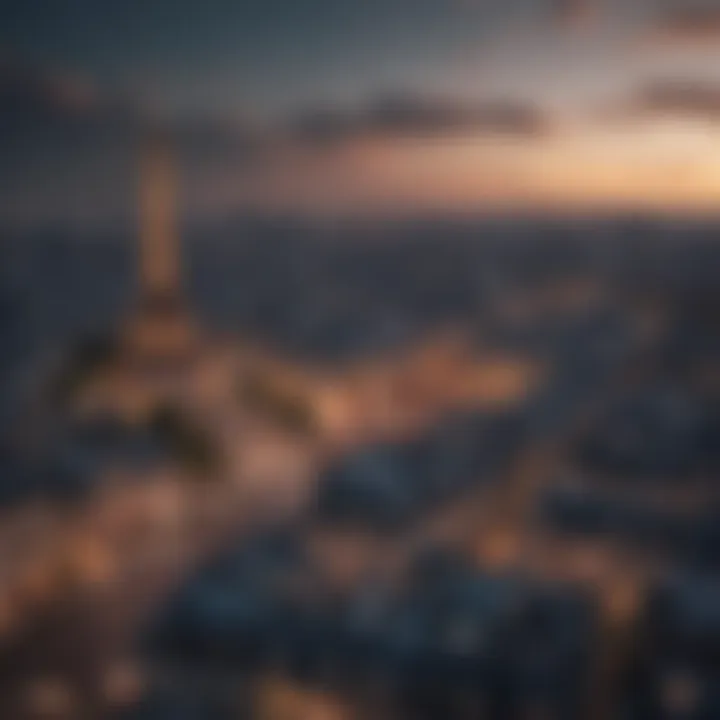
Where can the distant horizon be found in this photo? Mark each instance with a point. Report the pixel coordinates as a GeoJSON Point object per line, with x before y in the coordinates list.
{"type": "Point", "coordinates": [190, 229]}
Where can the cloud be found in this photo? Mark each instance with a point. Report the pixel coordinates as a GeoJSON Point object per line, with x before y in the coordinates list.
{"type": "Point", "coordinates": [573, 14]}
{"type": "Point", "coordinates": [28, 88]}
{"type": "Point", "coordinates": [409, 116]}
{"type": "Point", "coordinates": [69, 149]}
{"type": "Point", "coordinates": [38, 106]}
{"type": "Point", "coordinates": [44, 111]}
{"type": "Point", "coordinates": [678, 98]}
{"type": "Point", "coordinates": [697, 26]}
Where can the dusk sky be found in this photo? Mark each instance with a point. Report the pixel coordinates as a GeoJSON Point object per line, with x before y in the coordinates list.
{"type": "Point", "coordinates": [447, 104]}
{"type": "Point", "coordinates": [263, 56]}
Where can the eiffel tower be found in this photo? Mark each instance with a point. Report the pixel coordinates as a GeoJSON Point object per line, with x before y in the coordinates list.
{"type": "Point", "coordinates": [160, 333]}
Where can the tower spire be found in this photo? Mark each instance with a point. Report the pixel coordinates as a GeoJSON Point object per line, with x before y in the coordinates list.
{"type": "Point", "coordinates": [161, 330]}
{"type": "Point", "coordinates": [159, 247]}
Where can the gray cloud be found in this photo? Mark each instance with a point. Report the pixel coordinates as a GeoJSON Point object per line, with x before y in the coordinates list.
{"type": "Point", "coordinates": [68, 148]}
{"type": "Point", "coordinates": [575, 13]}
{"type": "Point", "coordinates": [678, 98]}
{"type": "Point", "coordinates": [403, 115]}
{"type": "Point", "coordinates": [688, 26]}
{"type": "Point", "coordinates": [36, 103]}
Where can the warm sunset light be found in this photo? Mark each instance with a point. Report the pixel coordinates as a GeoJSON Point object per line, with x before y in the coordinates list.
{"type": "Point", "coordinates": [453, 106]}
{"type": "Point", "coordinates": [664, 166]}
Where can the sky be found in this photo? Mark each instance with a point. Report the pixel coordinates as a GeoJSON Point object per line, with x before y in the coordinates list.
{"type": "Point", "coordinates": [272, 55]}
{"type": "Point", "coordinates": [330, 106]}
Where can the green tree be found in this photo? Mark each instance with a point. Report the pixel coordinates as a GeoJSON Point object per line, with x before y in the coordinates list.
{"type": "Point", "coordinates": [187, 442]}
{"type": "Point", "coordinates": [286, 409]}
{"type": "Point", "coordinates": [88, 357]}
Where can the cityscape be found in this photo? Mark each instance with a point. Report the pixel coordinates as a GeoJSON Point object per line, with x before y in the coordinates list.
{"type": "Point", "coordinates": [333, 449]}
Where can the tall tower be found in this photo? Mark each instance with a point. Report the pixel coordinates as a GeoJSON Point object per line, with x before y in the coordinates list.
{"type": "Point", "coordinates": [160, 330]}
{"type": "Point", "coordinates": [159, 247]}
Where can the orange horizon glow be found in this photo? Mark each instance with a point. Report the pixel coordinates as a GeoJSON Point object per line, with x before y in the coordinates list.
{"type": "Point", "coordinates": [661, 166]}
